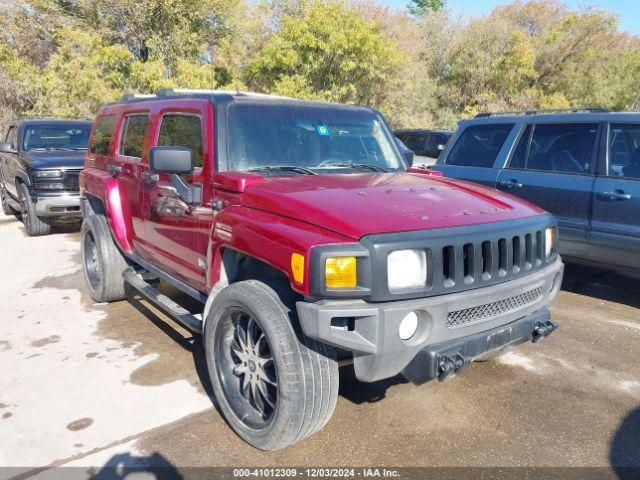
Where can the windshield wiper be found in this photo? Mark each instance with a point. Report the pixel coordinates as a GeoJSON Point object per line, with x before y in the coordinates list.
{"type": "Point", "coordinates": [283, 168]}
{"type": "Point", "coordinates": [365, 166]}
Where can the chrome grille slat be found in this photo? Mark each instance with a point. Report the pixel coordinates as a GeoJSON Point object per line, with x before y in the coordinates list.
{"type": "Point", "coordinates": [467, 316]}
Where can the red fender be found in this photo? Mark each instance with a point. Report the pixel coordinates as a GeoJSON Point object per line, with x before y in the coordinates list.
{"type": "Point", "coordinates": [118, 215]}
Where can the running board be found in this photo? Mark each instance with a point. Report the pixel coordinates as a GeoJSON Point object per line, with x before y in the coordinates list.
{"type": "Point", "coordinates": [171, 308]}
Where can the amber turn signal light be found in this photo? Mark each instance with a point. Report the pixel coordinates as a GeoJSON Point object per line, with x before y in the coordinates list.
{"type": "Point", "coordinates": [297, 267]}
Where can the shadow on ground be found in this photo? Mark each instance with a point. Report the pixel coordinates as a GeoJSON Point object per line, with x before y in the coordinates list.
{"type": "Point", "coordinates": [603, 284]}
{"type": "Point", "coordinates": [625, 447]}
{"type": "Point", "coordinates": [192, 344]}
{"type": "Point", "coordinates": [125, 465]}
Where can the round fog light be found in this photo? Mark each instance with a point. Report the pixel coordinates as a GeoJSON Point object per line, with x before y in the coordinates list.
{"type": "Point", "coordinates": [408, 326]}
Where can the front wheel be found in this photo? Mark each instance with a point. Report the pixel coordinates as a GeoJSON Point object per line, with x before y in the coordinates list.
{"type": "Point", "coordinates": [273, 385]}
{"type": "Point", "coordinates": [35, 225]}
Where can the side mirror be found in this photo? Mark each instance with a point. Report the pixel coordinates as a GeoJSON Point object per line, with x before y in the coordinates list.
{"type": "Point", "coordinates": [175, 161]}
{"type": "Point", "coordinates": [6, 147]}
{"type": "Point", "coordinates": [440, 147]}
{"type": "Point", "coordinates": [172, 160]}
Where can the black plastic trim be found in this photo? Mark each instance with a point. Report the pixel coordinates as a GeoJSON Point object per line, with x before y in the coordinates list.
{"type": "Point", "coordinates": [317, 284]}
{"type": "Point", "coordinates": [434, 241]}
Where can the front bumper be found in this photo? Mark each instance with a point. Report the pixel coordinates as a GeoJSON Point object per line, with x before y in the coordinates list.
{"type": "Point", "coordinates": [370, 330]}
{"type": "Point", "coordinates": [58, 206]}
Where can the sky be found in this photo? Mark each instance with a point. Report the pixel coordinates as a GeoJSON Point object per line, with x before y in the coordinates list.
{"type": "Point", "coordinates": [628, 11]}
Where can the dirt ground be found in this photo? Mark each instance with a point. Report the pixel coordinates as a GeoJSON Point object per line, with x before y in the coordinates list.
{"type": "Point", "coordinates": [88, 385]}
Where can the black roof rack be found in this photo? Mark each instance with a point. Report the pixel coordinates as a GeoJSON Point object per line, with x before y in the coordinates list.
{"type": "Point", "coordinates": [545, 111]}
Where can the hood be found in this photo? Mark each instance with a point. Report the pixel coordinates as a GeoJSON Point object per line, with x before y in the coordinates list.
{"type": "Point", "coordinates": [55, 159]}
{"type": "Point", "coordinates": [355, 205]}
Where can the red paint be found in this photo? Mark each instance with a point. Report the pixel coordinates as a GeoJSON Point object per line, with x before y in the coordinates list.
{"type": "Point", "coordinates": [355, 205]}
{"type": "Point", "coordinates": [269, 218]}
{"type": "Point", "coordinates": [236, 182]}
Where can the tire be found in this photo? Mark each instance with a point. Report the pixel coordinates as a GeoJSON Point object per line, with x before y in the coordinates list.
{"type": "Point", "coordinates": [35, 225]}
{"type": "Point", "coordinates": [102, 262]}
{"type": "Point", "coordinates": [6, 208]}
{"type": "Point", "coordinates": [305, 372]}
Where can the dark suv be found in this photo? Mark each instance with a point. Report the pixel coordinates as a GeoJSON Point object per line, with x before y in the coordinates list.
{"type": "Point", "coordinates": [582, 166]}
{"type": "Point", "coordinates": [426, 144]}
{"type": "Point", "coordinates": [40, 160]}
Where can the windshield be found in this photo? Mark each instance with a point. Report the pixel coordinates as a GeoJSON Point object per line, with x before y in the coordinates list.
{"type": "Point", "coordinates": [68, 136]}
{"type": "Point", "coordinates": [317, 138]}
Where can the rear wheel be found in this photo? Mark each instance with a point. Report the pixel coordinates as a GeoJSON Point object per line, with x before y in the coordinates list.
{"type": "Point", "coordinates": [34, 224]}
{"type": "Point", "coordinates": [102, 261]}
{"type": "Point", "coordinates": [273, 385]}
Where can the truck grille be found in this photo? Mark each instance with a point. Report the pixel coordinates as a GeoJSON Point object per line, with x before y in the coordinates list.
{"type": "Point", "coordinates": [480, 261]}
{"type": "Point", "coordinates": [462, 258]}
{"type": "Point", "coordinates": [461, 318]}
{"type": "Point", "coordinates": [71, 180]}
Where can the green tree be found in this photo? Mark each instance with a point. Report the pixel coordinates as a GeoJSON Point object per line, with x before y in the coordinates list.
{"type": "Point", "coordinates": [331, 53]}
{"type": "Point", "coordinates": [422, 7]}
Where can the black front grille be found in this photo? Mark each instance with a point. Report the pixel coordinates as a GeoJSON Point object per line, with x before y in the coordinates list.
{"type": "Point", "coordinates": [71, 180]}
{"type": "Point", "coordinates": [467, 316]}
{"type": "Point", "coordinates": [463, 258]}
{"type": "Point", "coordinates": [494, 258]}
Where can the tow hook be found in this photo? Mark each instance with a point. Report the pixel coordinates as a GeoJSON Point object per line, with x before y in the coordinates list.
{"type": "Point", "coordinates": [542, 330]}
{"type": "Point", "coordinates": [449, 367]}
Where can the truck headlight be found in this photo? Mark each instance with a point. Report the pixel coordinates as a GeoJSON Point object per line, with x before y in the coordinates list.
{"type": "Point", "coordinates": [406, 269]}
{"type": "Point", "coordinates": [341, 272]}
{"type": "Point", "coordinates": [47, 174]}
{"type": "Point", "coordinates": [550, 241]}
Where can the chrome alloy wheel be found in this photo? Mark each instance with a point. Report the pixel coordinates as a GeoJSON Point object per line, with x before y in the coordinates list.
{"type": "Point", "coordinates": [246, 368]}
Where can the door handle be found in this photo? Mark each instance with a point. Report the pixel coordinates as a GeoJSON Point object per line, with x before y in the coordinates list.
{"type": "Point", "coordinates": [618, 195]}
{"type": "Point", "coordinates": [510, 184]}
{"type": "Point", "coordinates": [149, 177]}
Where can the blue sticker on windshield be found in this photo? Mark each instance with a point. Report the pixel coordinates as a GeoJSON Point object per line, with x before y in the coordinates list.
{"type": "Point", "coordinates": [323, 130]}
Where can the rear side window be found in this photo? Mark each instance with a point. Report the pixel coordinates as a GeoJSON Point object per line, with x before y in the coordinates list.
{"type": "Point", "coordinates": [415, 142]}
{"type": "Point", "coordinates": [624, 150]}
{"type": "Point", "coordinates": [479, 145]}
{"type": "Point", "coordinates": [562, 148]}
{"type": "Point", "coordinates": [179, 130]}
{"type": "Point", "coordinates": [133, 132]}
{"type": "Point", "coordinates": [519, 156]}
{"type": "Point", "coordinates": [103, 134]}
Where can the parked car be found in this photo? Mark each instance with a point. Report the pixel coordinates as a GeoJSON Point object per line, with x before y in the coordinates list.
{"type": "Point", "coordinates": [582, 166]}
{"type": "Point", "coordinates": [299, 228]}
{"type": "Point", "coordinates": [40, 160]}
{"type": "Point", "coordinates": [426, 144]}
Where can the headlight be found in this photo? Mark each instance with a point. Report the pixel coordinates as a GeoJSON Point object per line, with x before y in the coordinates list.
{"type": "Point", "coordinates": [48, 173]}
{"type": "Point", "coordinates": [341, 272]}
{"type": "Point", "coordinates": [406, 269]}
{"type": "Point", "coordinates": [550, 241]}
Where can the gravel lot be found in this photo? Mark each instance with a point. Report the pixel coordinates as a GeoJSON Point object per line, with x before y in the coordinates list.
{"type": "Point", "coordinates": [86, 385]}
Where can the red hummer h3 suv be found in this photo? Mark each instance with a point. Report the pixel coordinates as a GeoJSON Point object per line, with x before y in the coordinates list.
{"type": "Point", "coordinates": [309, 241]}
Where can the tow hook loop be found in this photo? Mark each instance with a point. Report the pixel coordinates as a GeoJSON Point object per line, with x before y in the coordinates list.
{"type": "Point", "coordinates": [450, 367]}
{"type": "Point", "coordinates": [542, 330]}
